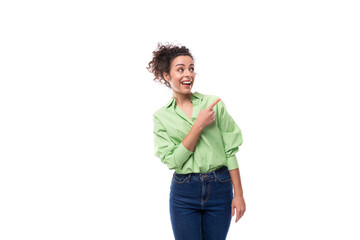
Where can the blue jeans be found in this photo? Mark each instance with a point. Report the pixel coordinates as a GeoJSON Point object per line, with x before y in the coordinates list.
{"type": "Point", "coordinates": [200, 205]}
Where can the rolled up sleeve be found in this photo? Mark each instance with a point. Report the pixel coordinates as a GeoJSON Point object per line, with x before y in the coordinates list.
{"type": "Point", "coordinates": [172, 154]}
{"type": "Point", "coordinates": [231, 135]}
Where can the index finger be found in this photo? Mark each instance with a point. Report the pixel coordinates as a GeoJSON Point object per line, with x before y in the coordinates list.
{"type": "Point", "coordinates": [214, 103]}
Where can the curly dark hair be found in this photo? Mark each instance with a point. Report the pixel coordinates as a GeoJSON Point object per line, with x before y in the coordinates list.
{"type": "Point", "coordinates": [163, 57]}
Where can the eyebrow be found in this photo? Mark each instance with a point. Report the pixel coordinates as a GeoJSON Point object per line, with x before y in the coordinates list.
{"type": "Point", "coordinates": [180, 64]}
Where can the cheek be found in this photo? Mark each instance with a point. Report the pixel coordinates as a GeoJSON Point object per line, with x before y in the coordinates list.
{"type": "Point", "coordinates": [176, 75]}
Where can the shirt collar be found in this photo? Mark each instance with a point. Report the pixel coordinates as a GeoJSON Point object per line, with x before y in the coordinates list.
{"type": "Point", "coordinates": [193, 95]}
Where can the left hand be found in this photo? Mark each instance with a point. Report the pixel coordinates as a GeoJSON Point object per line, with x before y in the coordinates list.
{"type": "Point", "coordinates": [238, 202]}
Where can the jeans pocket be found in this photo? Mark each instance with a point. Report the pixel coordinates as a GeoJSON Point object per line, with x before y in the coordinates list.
{"type": "Point", "coordinates": [180, 178]}
{"type": "Point", "coordinates": [223, 176]}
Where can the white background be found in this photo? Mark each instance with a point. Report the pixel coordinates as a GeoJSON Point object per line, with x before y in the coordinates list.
{"type": "Point", "coordinates": [76, 102]}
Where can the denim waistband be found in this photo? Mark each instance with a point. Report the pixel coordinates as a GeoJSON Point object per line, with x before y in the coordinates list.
{"type": "Point", "coordinates": [202, 175]}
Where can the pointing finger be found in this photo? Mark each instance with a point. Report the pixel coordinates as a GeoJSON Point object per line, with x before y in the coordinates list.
{"type": "Point", "coordinates": [214, 103]}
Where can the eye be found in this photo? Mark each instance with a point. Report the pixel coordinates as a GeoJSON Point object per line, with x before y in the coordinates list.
{"type": "Point", "coordinates": [180, 70]}
{"type": "Point", "coordinates": [192, 69]}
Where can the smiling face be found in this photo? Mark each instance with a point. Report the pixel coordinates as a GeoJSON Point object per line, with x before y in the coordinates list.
{"type": "Point", "coordinates": [182, 74]}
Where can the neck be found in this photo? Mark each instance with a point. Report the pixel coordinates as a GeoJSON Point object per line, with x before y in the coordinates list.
{"type": "Point", "coordinates": [182, 99]}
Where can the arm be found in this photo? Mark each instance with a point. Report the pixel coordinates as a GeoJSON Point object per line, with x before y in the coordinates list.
{"type": "Point", "coordinates": [192, 137]}
{"type": "Point", "coordinates": [231, 136]}
{"type": "Point", "coordinates": [238, 201]}
{"type": "Point", "coordinates": [205, 117]}
{"type": "Point", "coordinates": [172, 154]}
{"type": "Point", "coordinates": [236, 181]}
{"type": "Point", "coordinates": [232, 139]}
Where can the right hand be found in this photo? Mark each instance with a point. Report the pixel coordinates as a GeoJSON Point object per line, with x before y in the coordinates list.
{"type": "Point", "coordinates": [207, 115]}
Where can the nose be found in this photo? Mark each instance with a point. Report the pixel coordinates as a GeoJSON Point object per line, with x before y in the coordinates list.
{"type": "Point", "coordinates": [187, 72]}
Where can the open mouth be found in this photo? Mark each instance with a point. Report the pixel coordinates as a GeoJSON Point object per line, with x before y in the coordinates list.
{"type": "Point", "coordinates": [188, 83]}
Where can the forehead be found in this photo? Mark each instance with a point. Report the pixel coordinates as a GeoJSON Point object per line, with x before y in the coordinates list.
{"type": "Point", "coordinates": [186, 60]}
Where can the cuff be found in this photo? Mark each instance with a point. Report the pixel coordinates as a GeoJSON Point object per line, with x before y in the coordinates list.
{"type": "Point", "coordinates": [232, 163]}
{"type": "Point", "coordinates": [181, 155]}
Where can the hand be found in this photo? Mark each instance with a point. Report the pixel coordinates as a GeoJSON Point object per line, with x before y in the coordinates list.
{"type": "Point", "coordinates": [207, 115]}
{"type": "Point", "coordinates": [238, 202]}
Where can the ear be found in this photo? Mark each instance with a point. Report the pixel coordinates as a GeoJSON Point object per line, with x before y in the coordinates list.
{"type": "Point", "coordinates": [166, 76]}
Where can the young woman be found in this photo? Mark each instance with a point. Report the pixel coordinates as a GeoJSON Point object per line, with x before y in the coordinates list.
{"type": "Point", "coordinates": [196, 136]}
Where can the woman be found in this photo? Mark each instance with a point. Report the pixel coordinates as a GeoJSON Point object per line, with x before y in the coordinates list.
{"type": "Point", "coordinates": [196, 136]}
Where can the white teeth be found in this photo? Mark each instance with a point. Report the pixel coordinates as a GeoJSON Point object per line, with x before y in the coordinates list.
{"type": "Point", "coordinates": [187, 82]}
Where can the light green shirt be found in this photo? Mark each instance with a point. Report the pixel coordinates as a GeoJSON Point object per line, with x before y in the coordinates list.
{"type": "Point", "coordinates": [216, 146]}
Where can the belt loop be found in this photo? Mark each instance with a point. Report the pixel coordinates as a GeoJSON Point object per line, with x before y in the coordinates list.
{"type": "Point", "coordinates": [214, 175]}
{"type": "Point", "coordinates": [189, 179]}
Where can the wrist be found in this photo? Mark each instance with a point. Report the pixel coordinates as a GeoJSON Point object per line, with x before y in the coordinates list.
{"type": "Point", "coordinates": [198, 126]}
{"type": "Point", "coordinates": [238, 195]}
